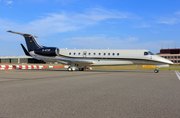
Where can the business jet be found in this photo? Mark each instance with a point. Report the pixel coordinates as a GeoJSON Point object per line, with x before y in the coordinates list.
{"type": "Point", "coordinates": [79, 59]}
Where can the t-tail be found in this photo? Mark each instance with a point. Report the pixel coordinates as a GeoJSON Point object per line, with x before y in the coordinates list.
{"type": "Point", "coordinates": [31, 42]}
{"type": "Point", "coordinates": [33, 45]}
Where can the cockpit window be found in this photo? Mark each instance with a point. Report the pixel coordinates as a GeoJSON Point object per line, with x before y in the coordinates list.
{"type": "Point", "coordinates": [146, 53]}
{"type": "Point", "coordinates": [151, 53]}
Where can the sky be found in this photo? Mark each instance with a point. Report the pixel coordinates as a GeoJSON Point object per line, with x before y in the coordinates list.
{"type": "Point", "coordinates": [90, 24]}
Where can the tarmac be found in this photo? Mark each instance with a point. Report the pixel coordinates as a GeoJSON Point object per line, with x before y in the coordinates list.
{"type": "Point", "coordinates": [58, 93]}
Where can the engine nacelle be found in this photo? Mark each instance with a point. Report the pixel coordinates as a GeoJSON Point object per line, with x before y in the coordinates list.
{"type": "Point", "coordinates": [47, 51]}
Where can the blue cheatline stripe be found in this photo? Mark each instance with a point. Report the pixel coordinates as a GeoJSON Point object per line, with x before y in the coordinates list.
{"type": "Point", "coordinates": [178, 74]}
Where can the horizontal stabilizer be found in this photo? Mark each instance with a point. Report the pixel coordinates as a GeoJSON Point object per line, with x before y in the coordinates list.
{"type": "Point", "coordinates": [25, 35]}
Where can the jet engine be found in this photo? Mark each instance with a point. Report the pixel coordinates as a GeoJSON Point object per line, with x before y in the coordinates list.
{"type": "Point", "coordinates": [47, 51]}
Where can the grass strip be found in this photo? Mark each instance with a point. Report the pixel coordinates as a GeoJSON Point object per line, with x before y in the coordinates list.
{"type": "Point", "coordinates": [138, 67]}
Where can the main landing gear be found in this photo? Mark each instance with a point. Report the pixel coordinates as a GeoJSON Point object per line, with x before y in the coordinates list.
{"type": "Point", "coordinates": [71, 69]}
{"type": "Point", "coordinates": [74, 68]}
{"type": "Point", "coordinates": [156, 70]}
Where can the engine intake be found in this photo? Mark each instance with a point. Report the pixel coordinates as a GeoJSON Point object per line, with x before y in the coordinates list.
{"type": "Point", "coordinates": [47, 51]}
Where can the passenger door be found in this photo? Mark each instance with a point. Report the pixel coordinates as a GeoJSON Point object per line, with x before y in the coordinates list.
{"type": "Point", "coordinates": [84, 53]}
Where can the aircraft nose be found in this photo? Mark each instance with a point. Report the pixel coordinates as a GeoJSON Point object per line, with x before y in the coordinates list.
{"type": "Point", "coordinates": [163, 60]}
{"type": "Point", "coordinates": [169, 62]}
{"type": "Point", "coordinates": [166, 61]}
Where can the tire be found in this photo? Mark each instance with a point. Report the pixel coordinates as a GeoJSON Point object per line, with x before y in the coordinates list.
{"type": "Point", "coordinates": [156, 71]}
{"type": "Point", "coordinates": [69, 69]}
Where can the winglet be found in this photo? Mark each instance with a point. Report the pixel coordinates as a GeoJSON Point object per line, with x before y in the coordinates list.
{"type": "Point", "coordinates": [25, 51]}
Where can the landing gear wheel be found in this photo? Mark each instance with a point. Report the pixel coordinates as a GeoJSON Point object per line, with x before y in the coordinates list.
{"type": "Point", "coordinates": [69, 69]}
{"type": "Point", "coordinates": [156, 70]}
{"type": "Point", "coordinates": [73, 69]}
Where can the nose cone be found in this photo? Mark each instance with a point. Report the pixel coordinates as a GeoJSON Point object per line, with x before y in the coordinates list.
{"type": "Point", "coordinates": [163, 60]}
{"type": "Point", "coordinates": [166, 61]}
{"type": "Point", "coordinates": [169, 62]}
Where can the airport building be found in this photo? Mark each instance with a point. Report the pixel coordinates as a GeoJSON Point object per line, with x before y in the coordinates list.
{"type": "Point", "coordinates": [19, 59]}
{"type": "Point", "coordinates": [171, 54]}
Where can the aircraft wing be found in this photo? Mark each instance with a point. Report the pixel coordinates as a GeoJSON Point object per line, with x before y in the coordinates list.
{"type": "Point", "coordinates": [44, 58]}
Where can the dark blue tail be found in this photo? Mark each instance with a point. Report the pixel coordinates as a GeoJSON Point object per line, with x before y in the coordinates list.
{"type": "Point", "coordinates": [31, 42]}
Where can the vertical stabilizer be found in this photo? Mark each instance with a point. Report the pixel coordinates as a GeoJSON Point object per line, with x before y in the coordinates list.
{"type": "Point", "coordinates": [31, 43]}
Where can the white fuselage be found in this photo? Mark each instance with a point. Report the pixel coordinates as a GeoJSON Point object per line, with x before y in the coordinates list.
{"type": "Point", "coordinates": [107, 57]}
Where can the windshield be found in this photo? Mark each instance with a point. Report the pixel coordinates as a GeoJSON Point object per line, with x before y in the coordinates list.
{"type": "Point", "coordinates": [148, 53]}
{"type": "Point", "coordinates": [151, 53]}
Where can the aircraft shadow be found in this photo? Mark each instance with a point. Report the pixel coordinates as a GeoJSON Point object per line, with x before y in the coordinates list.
{"type": "Point", "coordinates": [100, 70]}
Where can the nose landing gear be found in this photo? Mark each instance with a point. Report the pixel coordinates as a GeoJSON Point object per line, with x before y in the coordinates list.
{"type": "Point", "coordinates": [156, 70]}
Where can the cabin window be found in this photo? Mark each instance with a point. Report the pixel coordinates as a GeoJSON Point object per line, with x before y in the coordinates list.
{"type": "Point", "coordinates": [104, 54]}
{"type": "Point", "coordinates": [146, 53]}
{"type": "Point", "coordinates": [109, 54]}
{"type": "Point", "coordinates": [94, 53]}
{"type": "Point", "coordinates": [74, 53]}
{"type": "Point", "coordinates": [79, 53]}
{"type": "Point", "coordinates": [69, 53]}
{"type": "Point", "coordinates": [89, 53]}
{"type": "Point", "coordinates": [99, 53]}
{"type": "Point", "coordinates": [117, 54]}
{"type": "Point", "coordinates": [113, 54]}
